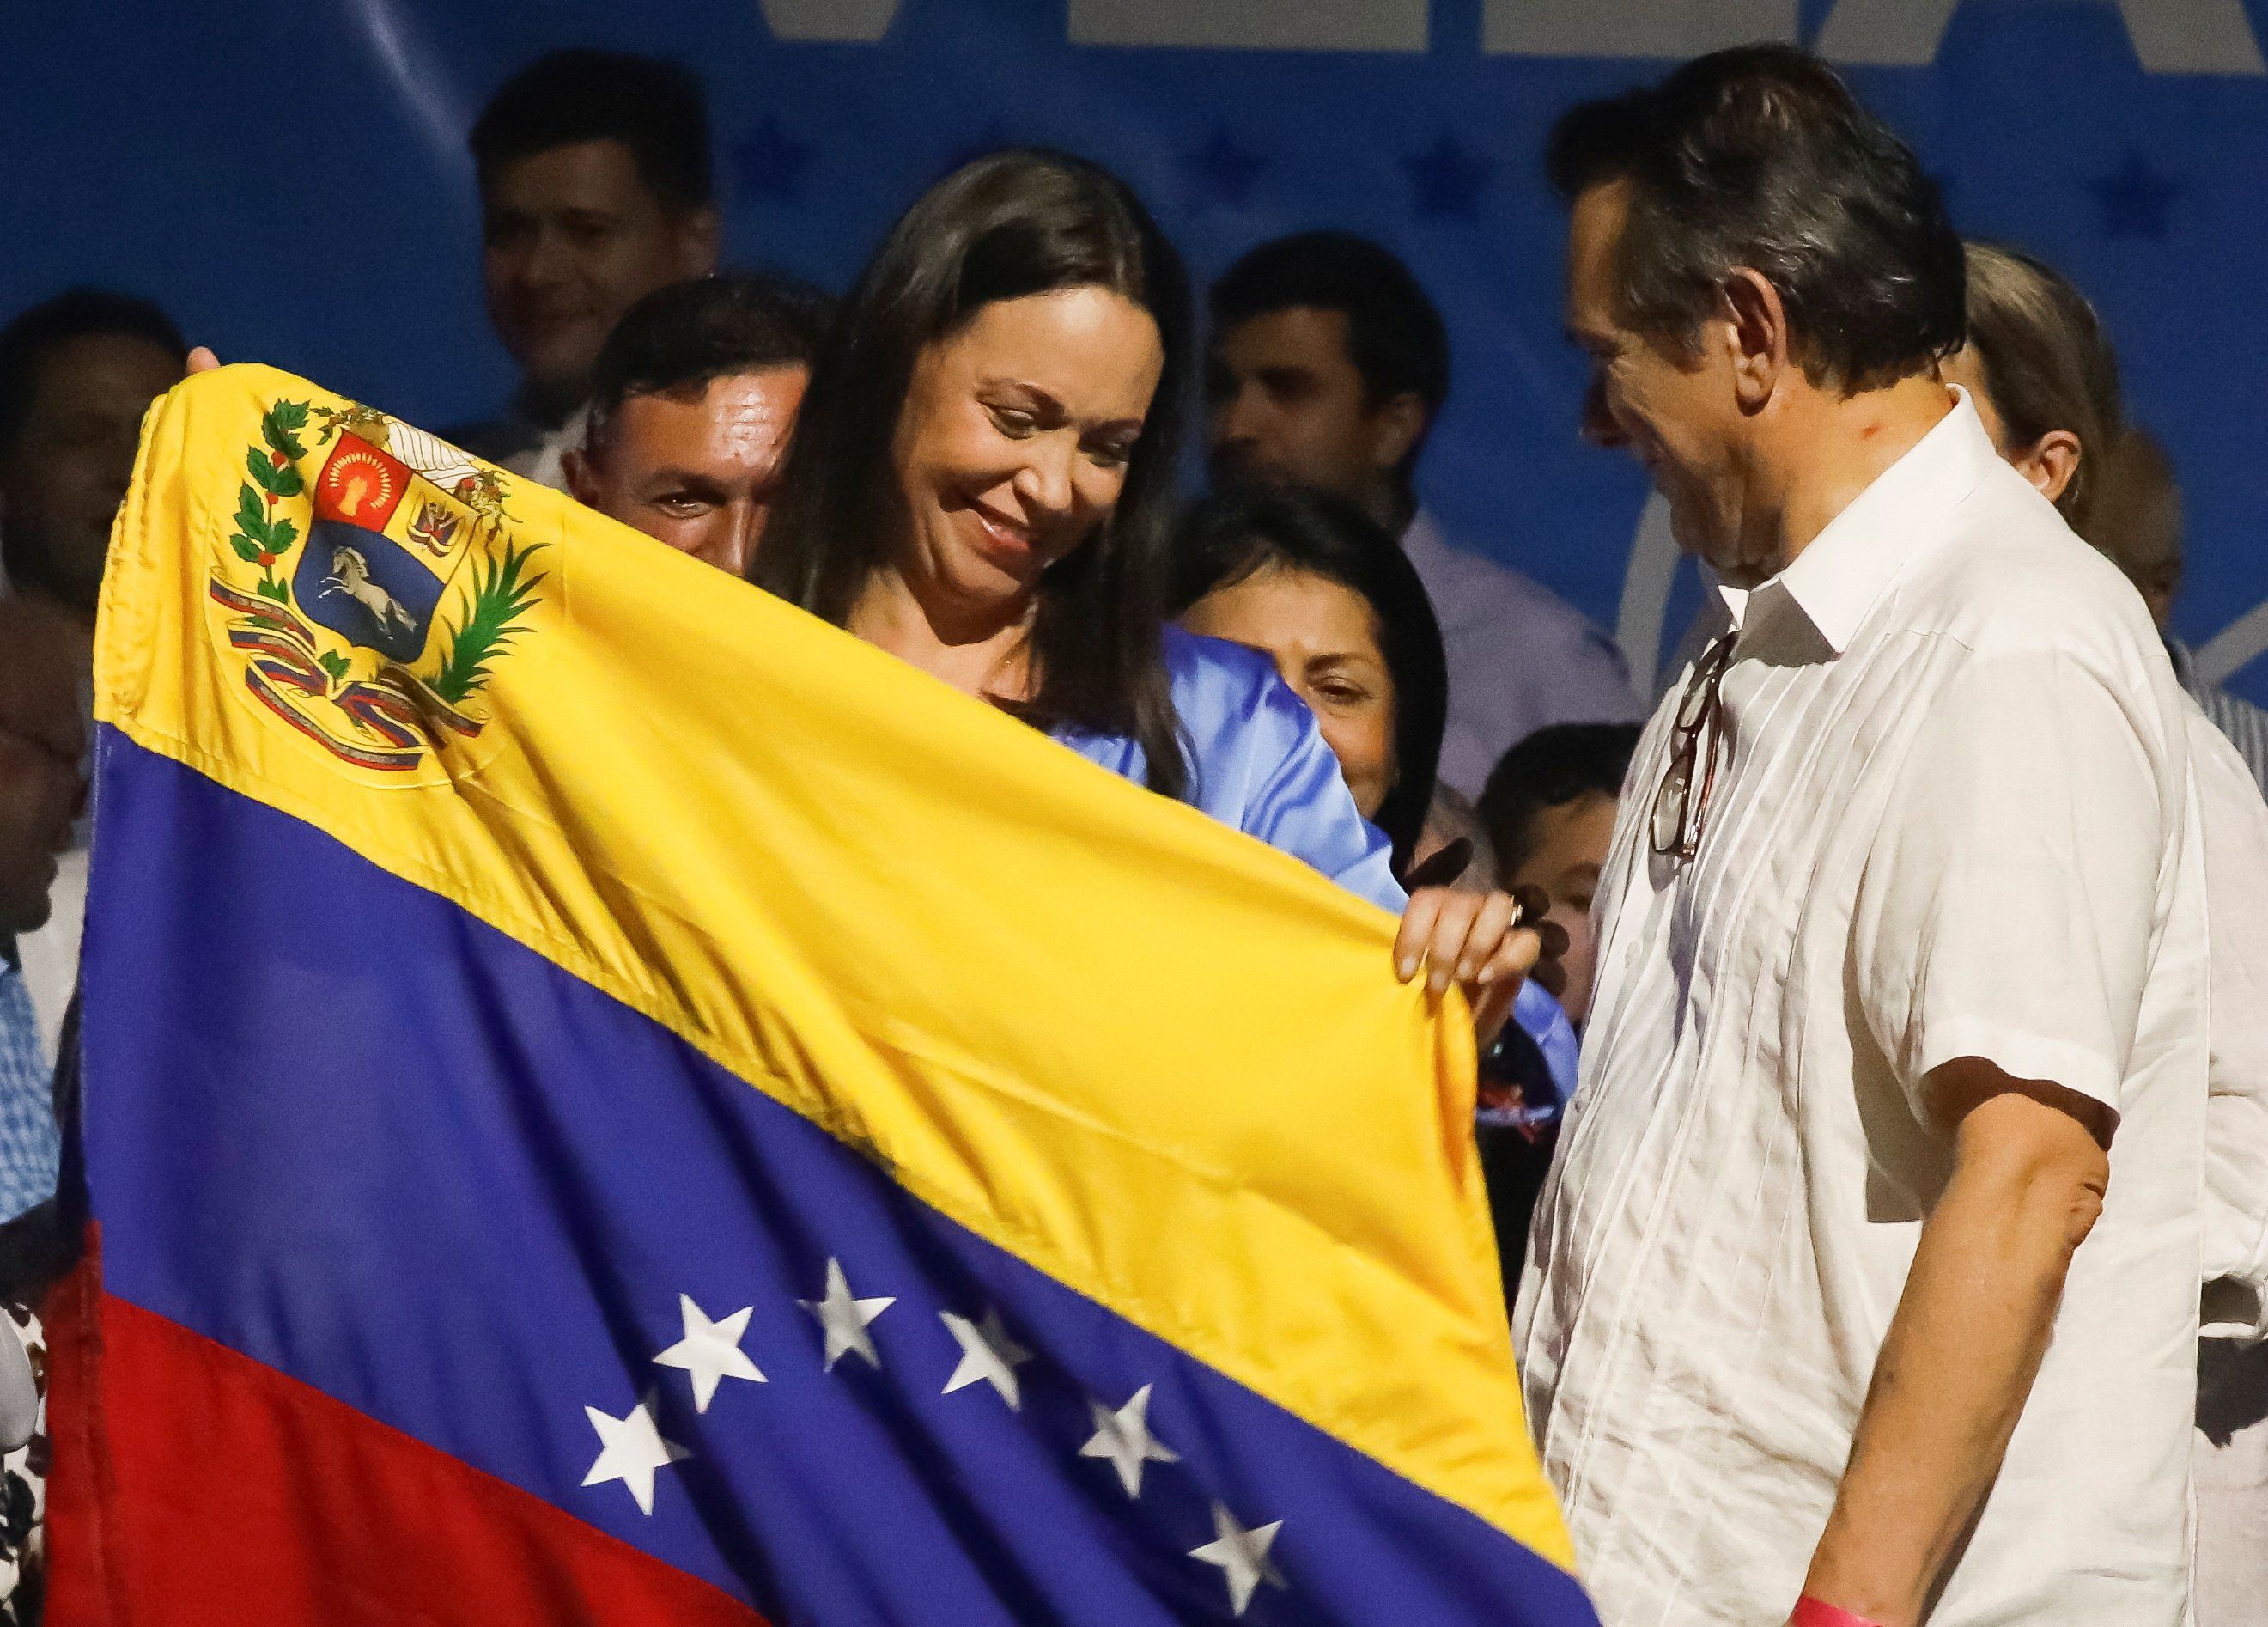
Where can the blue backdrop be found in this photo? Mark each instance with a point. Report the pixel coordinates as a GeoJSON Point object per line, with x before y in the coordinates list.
{"type": "Point", "coordinates": [291, 180]}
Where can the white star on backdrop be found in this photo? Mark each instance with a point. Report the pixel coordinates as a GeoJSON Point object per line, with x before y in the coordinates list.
{"type": "Point", "coordinates": [1123, 1437]}
{"type": "Point", "coordinates": [629, 1450]}
{"type": "Point", "coordinates": [711, 1351]}
{"type": "Point", "coordinates": [988, 1355]}
{"type": "Point", "coordinates": [1241, 1555]}
{"type": "Point", "coordinates": [844, 1318]}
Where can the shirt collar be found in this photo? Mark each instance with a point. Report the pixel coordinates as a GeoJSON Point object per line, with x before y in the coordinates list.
{"type": "Point", "coordinates": [1836, 579]}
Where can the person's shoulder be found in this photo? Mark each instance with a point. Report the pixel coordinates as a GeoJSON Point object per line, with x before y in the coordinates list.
{"type": "Point", "coordinates": [1195, 657]}
{"type": "Point", "coordinates": [2014, 578]}
{"type": "Point", "coordinates": [1219, 685]}
{"type": "Point", "coordinates": [1453, 569]}
{"type": "Point", "coordinates": [1237, 717]}
{"type": "Point", "coordinates": [1468, 587]}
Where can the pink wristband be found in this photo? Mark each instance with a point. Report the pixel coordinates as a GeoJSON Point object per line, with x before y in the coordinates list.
{"type": "Point", "coordinates": [1809, 1612]}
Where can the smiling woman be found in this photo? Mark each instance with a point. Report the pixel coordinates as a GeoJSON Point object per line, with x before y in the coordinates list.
{"type": "Point", "coordinates": [979, 483]}
{"type": "Point", "coordinates": [985, 454]}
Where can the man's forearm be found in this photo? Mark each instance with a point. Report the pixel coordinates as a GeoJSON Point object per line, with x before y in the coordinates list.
{"type": "Point", "coordinates": [1950, 1383]}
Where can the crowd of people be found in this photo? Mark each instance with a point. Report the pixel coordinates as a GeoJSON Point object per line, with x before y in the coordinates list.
{"type": "Point", "coordinates": [1923, 1099]}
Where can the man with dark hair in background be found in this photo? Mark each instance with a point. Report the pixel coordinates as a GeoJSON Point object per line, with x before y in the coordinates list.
{"type": "Point", "coordinates": [1328, 366]}
{"type": "Point", "coordinates": [692, 403]}
{"type": "Point", "coordinates": [76, 373]}
{"type": "Point", "coordinates": [1864, 1285]}
{"type": "Point", "coordinates": [595, 190]}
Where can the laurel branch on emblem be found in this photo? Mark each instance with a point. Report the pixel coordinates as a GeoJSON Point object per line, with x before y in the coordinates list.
{"type": "Point", "coordinates": [261, 537]}
{"type": "Point", "coordinates": [401, 708]}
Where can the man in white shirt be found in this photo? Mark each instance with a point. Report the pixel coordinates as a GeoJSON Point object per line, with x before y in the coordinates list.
{"type": "Point", "coordinates": [1864, 1286]}
{"type": "Point", "coordinates": [1329, 364]}
{"type": "Point", "coordinates": [595, 190]}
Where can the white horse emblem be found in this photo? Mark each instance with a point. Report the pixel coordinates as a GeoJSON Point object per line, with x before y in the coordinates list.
{"type": "Point", "coordinates": [350, 575]}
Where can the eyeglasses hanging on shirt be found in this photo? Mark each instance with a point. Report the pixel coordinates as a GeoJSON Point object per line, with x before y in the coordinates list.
{"type": "Point", "coordinates": [1695, 741]}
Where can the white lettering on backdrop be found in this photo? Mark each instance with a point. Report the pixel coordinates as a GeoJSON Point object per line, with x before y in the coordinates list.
{"type": "Point", "coordinates": [1254, 25]}
{"type": "Point", "coordinates": [1667, 28]}
{"type": "Point", "coordinates": [2169, 36]}
{"type": "Point", "coordinates": [862, 22]}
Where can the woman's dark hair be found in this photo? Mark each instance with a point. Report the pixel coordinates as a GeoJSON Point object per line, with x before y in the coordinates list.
{"type": "Point", "coordinates": [1226, 540]}
{"type": "Point", "coordinates": [1003, 227]}
{"type": "Point", "coordinates": [2047, 364]}
{"type": "Point", "coordinates": [1761, 157]}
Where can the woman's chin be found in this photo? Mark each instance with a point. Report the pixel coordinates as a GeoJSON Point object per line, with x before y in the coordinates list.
{"type": "Point", "coordinates": [985, 586]}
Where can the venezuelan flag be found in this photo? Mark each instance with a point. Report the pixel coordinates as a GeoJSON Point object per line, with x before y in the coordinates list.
{"type": "Point", "coordinates": [608, 1100]}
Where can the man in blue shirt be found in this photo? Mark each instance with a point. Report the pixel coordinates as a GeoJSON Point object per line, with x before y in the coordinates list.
{"type": "Point", "coordinates": [43, 743]}
{"type": "Point", "coordinates": [1327, 367]}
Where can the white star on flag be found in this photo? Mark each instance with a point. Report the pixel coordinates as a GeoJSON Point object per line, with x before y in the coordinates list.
{"type": "Point", "coordinates": [844, 1318]}
{"type": "Point", "coordinates": [630, 1448]}
{"type": "Point", "coordinates": [988, 1355]}
{"type": "Point", "coordinates": [711, 1351]}
{"type": "Point", "coordinates": [1123, 1437]}
{"type": "Point", "coordinates": [1241, 1555]}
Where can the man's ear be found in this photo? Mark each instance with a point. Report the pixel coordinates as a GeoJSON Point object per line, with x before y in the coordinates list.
{"type": "Point", "coordinates": [582, 477]}
{"type": "Point", "coordinates": [698, 233]}
{"type": "Point", "coordinates": [1754, 328]}
{"type": "Point", "coordinates": [1397, 425]}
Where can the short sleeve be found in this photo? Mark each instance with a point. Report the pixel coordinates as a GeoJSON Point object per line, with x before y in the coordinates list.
{"type": "Point", "coordinates": [2007, 906]}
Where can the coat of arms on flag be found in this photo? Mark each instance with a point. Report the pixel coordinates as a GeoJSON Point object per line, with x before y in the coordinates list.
{"type": "Point", "coordinates": [371, 603]}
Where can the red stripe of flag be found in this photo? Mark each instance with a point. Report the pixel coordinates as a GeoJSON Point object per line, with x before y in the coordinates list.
{"type": "Point", "coordinates": [194, 1486]}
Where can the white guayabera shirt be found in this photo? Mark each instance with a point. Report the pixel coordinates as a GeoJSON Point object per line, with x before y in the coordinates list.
{"type": "Point", "coordinates": [1955, 818]}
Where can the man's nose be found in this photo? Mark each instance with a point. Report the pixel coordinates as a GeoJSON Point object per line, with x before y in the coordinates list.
{"type": "Point", "coordinates": [546, 259]}
{"type": "Point", "coordinates": [729, 541]}
{"type": "Point", "coordinates": [1236, 417]}
{"type": "Point", "coordinates": [1599, 426]}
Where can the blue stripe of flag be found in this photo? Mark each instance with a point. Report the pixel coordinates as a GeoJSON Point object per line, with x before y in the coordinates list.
{"type": "Point", "coordinates": [339, 1125]}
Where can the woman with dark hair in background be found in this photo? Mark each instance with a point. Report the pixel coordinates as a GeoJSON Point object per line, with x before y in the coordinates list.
{"type": "Point", "coordinates": [1316, 585]}
{"type": "Point", "coordinates": [979, 484]}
